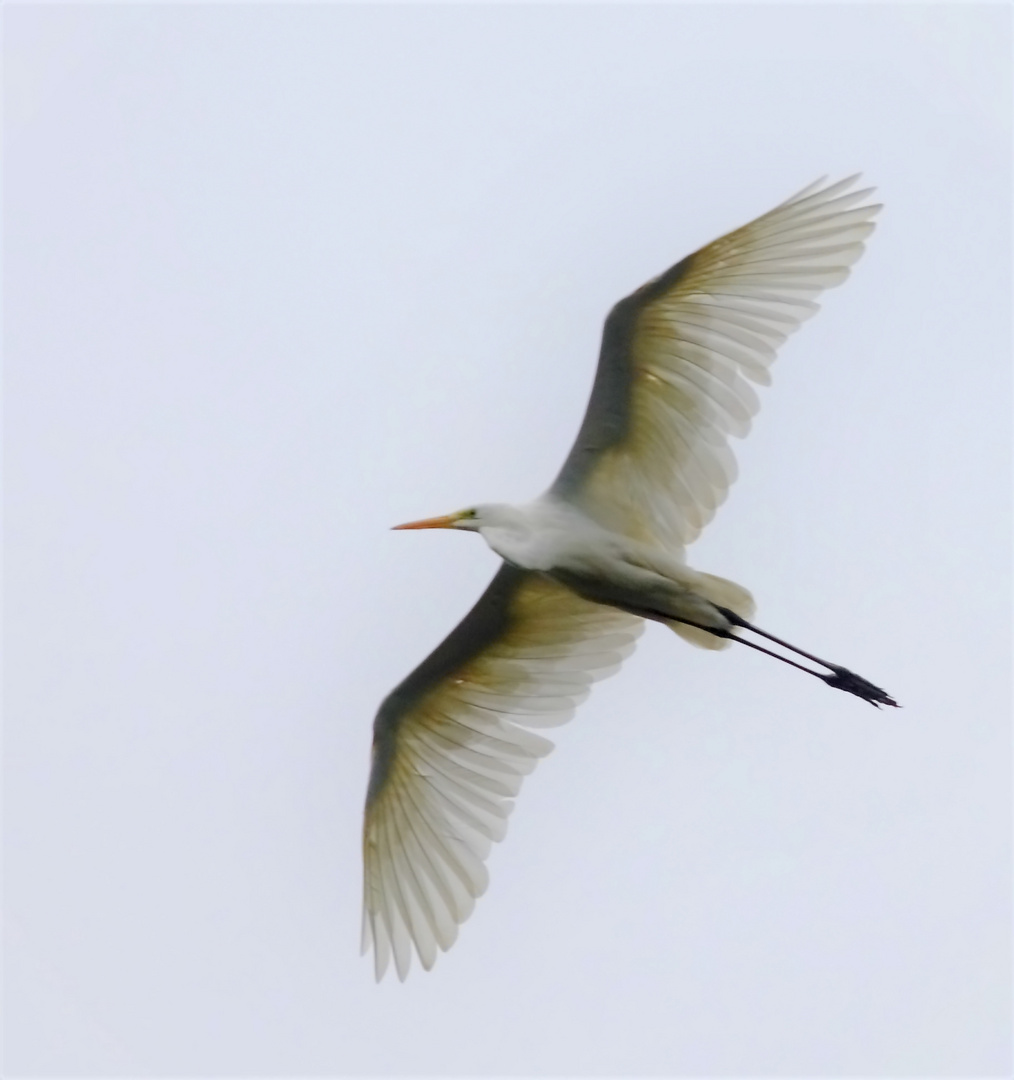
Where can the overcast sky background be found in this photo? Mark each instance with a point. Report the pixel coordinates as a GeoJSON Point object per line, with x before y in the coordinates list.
{"type": "Point", "coordinates": [278, 278]}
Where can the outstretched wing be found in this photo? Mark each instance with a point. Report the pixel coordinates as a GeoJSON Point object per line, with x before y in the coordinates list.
{"type": "Point", "coordinates": [451, 745]}
{"type": "Point", "coordinates": [678, 356]}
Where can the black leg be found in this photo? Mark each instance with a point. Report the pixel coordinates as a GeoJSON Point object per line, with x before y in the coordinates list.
{"type": "Point", "coordinates": [840, 678]}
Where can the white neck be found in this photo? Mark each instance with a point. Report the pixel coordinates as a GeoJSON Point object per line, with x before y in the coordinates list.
{"type": "Point", "coordinates": [525, 535]}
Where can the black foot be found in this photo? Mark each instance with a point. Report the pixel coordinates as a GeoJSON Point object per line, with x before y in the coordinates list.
{"type": "Point", "coordinates": [843, 679]}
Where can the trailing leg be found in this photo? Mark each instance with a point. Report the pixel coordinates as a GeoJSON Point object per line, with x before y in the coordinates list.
{"type": "Point", "coordinates": [840, 678]}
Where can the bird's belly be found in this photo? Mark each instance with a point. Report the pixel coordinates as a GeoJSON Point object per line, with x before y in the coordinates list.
{"type": "Point", "coordinates": [641, 592]}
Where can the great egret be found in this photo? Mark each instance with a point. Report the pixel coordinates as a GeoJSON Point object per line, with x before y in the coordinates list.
{"type": "Point", "coordinates": [586, 562]}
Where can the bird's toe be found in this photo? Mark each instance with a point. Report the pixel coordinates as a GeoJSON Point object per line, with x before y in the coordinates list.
{"type": "Point", "coordinates": [843, 679]}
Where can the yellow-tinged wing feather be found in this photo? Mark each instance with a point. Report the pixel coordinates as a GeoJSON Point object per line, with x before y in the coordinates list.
{"type": "Point", "coordinates": [452, 743]}
{"type": "Point", "coordinates": [678, 356]}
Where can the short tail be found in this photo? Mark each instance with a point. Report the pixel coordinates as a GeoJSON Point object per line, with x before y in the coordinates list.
{"type": "Point", "coordinates": [724, 594]}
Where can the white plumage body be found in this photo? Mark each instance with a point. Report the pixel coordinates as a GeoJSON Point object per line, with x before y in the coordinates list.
{"type": "Point", "coordinates": [554, 537]}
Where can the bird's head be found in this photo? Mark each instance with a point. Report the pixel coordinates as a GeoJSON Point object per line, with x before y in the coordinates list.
{"type": "Point", "coordinates": [474, 519]}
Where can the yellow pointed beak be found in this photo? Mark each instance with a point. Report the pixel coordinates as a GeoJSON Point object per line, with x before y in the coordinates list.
{"type": "Point", "coordinates": [445, 522]}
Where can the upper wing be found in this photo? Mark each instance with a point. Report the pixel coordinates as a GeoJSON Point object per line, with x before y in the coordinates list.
{"type": "Point", "coordinates": [451, 744]}
{"type": "Point", "coordinates": [652, 458]}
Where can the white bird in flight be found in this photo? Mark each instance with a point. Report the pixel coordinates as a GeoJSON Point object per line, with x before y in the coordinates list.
{"type": "Point", "coordinates": [588, 561]}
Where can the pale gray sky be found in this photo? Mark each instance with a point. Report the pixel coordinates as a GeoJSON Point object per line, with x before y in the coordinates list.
{"type": "Point", "coordinates": [278, 278]}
